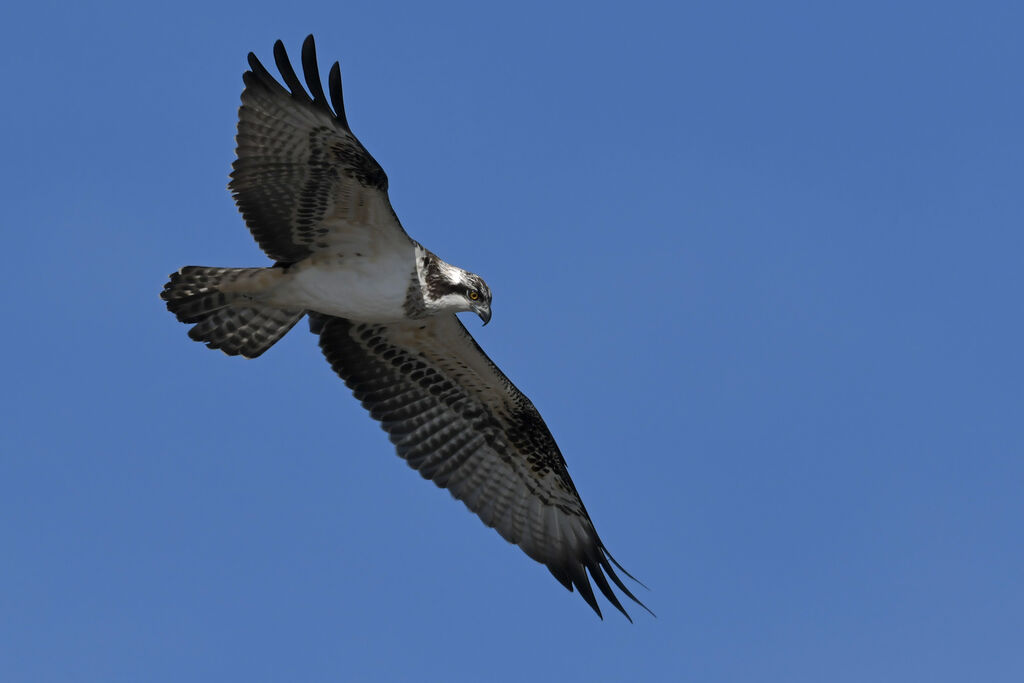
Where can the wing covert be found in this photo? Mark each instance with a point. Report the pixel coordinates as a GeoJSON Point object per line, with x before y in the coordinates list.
{"type": "Point", "coordinates": [454, 417]}
{"type": "Point", "coordinates": [301, 179]}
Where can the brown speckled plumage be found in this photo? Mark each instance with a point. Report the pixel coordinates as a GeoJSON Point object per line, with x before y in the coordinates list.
{"type": "Point", "coordinates": [458, 420]}
{"type": "Point", "coordinates": [316, 202]}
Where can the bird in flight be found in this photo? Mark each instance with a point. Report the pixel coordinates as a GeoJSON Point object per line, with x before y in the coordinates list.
{"type": "Point", "coordinates": [384, 309]}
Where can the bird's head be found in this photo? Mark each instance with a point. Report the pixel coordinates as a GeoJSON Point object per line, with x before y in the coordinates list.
{"type": "Point", "coordinates": [450, 288]}
{"type": "Point", "coordinates": [479, 296]}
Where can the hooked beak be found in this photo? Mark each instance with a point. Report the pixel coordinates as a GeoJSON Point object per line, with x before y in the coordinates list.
{"type": "Point", "coordinates": [484, 311]}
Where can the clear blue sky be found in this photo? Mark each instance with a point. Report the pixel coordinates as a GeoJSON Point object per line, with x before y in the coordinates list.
{"type": "Point", "coordinates": [759, 268]}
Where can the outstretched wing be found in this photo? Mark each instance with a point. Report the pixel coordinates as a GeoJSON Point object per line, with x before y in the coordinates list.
{"type": "Point", "coordinates": [302, 180]}
{"type": "Point", "coordinates": [461, 423]}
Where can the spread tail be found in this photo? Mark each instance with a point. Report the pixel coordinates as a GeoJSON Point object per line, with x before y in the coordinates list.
{"type": "Point", "coordinates": [224, 305]}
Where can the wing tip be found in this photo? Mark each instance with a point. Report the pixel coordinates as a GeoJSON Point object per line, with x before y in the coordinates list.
{"type": "Point", "coordinates": [337, 98]}
{"type": "Point", "coordinates": [311, 71]}
{"type": "Point", "coordinates": [257, 76]}
{"type": "Point", "coordinates": [312, 92]}
{"type": "Point", "coordinates": [599, 566]}
{"type": "Point", "coordinates": [606, 563]}
{"type": "Point", "coordinates": [284, 66]}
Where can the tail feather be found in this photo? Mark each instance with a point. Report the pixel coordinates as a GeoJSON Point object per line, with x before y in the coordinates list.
{"type": "Point", "coordinates": [244, 331]}
{"type": "Point", "coordinates": [226, 315]}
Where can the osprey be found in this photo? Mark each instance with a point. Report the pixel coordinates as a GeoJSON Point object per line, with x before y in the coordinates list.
{"type": "Point", "coordinates": [384, 308]}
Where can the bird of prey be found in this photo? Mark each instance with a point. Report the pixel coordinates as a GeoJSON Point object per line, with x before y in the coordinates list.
{"type": "Point", "coordinates": [384, 309]}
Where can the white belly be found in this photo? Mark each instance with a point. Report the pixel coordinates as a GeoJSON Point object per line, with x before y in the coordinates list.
{"type": "Point", "coordinates": [371, 289]}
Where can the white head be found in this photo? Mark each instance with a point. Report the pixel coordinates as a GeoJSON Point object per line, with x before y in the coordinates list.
{"type": "Point", "coordinates": [450, 288]}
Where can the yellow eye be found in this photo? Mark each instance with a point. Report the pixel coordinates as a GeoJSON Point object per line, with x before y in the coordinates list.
{"type": "Point", "coordinates": [473, 295]}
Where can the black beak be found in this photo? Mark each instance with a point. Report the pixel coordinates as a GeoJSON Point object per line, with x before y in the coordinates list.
{"type": "Point", "coordinates": [484, 312]}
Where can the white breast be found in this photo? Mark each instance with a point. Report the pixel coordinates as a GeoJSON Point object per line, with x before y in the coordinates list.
{"type": "Point", "coordinates": [366, 287]}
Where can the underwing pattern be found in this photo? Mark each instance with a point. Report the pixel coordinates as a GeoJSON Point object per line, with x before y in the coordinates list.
{"type": "Point", "coordinates": [384, 309]}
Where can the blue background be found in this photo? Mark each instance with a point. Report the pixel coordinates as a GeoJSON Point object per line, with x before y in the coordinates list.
{"type": "Point", "coordinates": [758, 265]}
